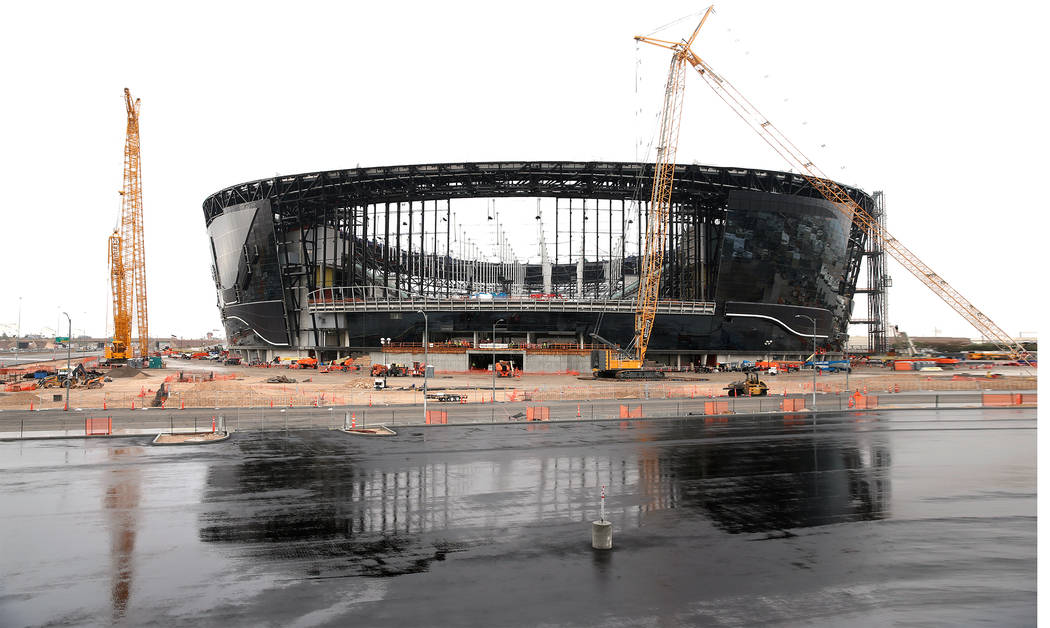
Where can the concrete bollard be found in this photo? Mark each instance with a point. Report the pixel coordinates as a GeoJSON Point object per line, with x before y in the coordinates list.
{"type": "Point", "coordinates": [601, 535]}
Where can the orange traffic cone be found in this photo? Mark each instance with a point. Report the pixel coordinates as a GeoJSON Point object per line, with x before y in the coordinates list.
{"type": "Point", "coordinates": [578, 411]}
{"type": "Point", "coordinates": [132, 404]}
{"type": "Point", "coordinates": [353, 420]}
{"type": "Point", "coordinates": [182, 404]}
{"type": "Point", "coordinates": [213, 424]}
{"type": "Point", "coordinates": [103, 404]}
{"type": "Point", "coordinates": [30, 406]}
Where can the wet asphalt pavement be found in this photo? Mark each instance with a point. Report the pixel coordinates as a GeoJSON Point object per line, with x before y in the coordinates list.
{"type": "Point", "coordinates": [924, 517]}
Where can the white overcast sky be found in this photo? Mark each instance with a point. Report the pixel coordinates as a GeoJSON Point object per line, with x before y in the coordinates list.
{"type": "Point", "coordinates": [941, 105]}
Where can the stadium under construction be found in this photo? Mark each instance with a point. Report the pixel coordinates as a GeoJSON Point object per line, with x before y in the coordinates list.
{"type": "Point", "coordinates": [535, 262]}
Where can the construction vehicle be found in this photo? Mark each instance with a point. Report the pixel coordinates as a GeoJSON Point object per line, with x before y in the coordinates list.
{"type": "Point", "coordinates": [379, 383]}
{"type": "Point", "coordinates": [504, 368]}
{"type": "Point", "coordinates": [749, 387]}
{"type": "Point", "coordinates": [127, 251]}
{"type": "Point", "coordinates": [833, 192]}
{"type": "Point", "coordinates": [446, 397]}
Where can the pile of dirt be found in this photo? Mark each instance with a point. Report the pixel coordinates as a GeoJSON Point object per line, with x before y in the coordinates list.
{"type": "Point", "coordinates": [124, 371]}
{"type": "Point", "coordinates": [280, 379]}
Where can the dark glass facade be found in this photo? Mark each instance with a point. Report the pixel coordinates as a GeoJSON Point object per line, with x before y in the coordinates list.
{"type": "Point", "coordinates": [784, 250]}
{"type": "Point", "coordinates": [247, 275]}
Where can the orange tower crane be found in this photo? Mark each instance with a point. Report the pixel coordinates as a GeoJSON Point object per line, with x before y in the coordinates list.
{"type": "Point", "coordinates": [834, 193]}
{"type": "Point", "coordinates": [127, 250]}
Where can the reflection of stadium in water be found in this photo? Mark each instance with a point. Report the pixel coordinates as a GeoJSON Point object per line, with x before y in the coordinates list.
{"type": "Point", "coordinates": [341, 500]}
{"type": "Point", "coordinates": [330, 262]}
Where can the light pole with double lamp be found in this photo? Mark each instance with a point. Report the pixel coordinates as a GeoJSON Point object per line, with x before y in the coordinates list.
{"type": "Point", "coordinates": [69, 349]}
{"type": "Point", "coordinates": [426, 358]}
{"type": "Point", "coordinates": [497, 322]}
{"type": "Point", "coordinates": [814, 360]}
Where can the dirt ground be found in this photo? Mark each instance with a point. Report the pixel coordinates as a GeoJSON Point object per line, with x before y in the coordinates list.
{"type": "Point", "coordinates": [242, 386]}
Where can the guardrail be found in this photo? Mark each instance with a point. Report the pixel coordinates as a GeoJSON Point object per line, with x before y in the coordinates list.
{"type": "Point", "coordinates": [379, 299]}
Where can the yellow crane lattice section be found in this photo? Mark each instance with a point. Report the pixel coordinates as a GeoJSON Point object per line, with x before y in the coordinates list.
{"type": "Point", "coordinates": [836, 194]}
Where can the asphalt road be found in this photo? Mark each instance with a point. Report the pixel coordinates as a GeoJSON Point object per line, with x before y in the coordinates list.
{"type": "Point", "coordinates": [918, 517]}
{"type": "Point", "coordinates": [15, 423]}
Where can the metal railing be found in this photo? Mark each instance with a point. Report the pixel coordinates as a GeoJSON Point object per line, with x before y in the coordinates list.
{"type": "Point", "coordinates": [383, 299]}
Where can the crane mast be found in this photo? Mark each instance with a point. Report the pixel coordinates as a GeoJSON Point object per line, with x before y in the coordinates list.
{"type": "Point", "coordinates": [659, 208]}
{"type": "Point", "coordinates": [836, 194]}
{"type": "Point", "coordinates": [627, 364]}
{"type": "Point", "coordinates": [127, 249]}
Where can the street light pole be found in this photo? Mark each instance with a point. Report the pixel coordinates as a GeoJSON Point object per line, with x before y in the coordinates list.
{"type": "Point", "coordinates": [69, 355]}
{"type": "Point", "coordinates": [814, 321]}
{"type": "Point", "coordinates": [497, 322]}
{"type": "Point", "coordinates": [426, 359]}
{"type": "Point", "coordinates": [18, 332]}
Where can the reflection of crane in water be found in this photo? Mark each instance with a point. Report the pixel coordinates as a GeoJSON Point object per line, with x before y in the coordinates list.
{"type": "Point", "coordinates": [121, 505]}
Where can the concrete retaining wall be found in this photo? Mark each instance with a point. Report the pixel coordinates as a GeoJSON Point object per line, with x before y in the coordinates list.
{"type": "Point", "coordinates": [440, 361]}
{"type": "Point", "coordinates": [541, 363]}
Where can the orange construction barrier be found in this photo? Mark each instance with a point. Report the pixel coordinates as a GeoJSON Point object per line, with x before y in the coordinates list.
{"type": "Point", "coordinates": [98, 426]}
{"type": "Point", "coordinates": [716, 407]}
{"type": "Point", "coordinates": [1008, 399]}
{"type": "Point", "coordinates": [864, 402]}
{"type": "Point", "coordinates": [437, 417]}
{"type": "Point", "coordinates": [626, 412]}
{"type": "Point", "coordinates": [994, 399]}
{"type": "Point", "coordinates": [537, 413]}
{"type": "Point", "coordinates": [789, 405]}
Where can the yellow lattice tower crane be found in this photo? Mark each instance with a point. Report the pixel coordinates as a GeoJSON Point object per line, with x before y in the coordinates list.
{"type": "Point", "coordinates": [127, 250]}
{"type": "Point", "coordinates": [628, 363]}
{"type": "Point", "coordinates": [833, 192]}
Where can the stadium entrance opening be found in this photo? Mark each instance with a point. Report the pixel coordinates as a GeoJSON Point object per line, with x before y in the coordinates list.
{"type": "Point", "coordinates": [482, 360]}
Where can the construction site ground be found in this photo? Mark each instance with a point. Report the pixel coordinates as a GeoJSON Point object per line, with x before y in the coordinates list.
{"type": "Point", "coordinates": [206, 384]}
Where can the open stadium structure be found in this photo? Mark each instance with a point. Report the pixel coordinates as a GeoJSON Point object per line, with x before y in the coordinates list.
{"type": "Point", "coordinates": [532, 262]}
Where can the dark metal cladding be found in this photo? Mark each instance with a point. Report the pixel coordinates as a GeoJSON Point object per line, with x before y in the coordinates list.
{"type": "Point", "coordinates": [762, 246]}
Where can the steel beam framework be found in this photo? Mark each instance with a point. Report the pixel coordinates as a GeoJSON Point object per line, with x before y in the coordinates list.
{"type": "Point", "coordinates": [392, 226]}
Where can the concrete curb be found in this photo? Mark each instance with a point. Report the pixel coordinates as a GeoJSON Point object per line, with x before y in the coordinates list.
{"type": "Point", "coordinates": [203, 442]}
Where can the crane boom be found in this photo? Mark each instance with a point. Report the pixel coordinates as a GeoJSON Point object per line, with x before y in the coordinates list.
{"type": "Point", "coordinates": [837, 195]}
{"type": "Point", "coordinates": [127, 249]}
